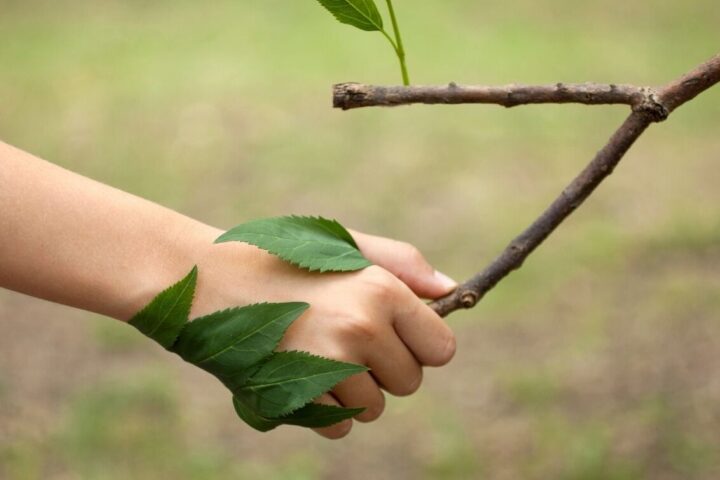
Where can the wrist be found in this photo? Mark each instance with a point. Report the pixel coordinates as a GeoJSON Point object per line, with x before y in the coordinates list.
{"type": "Point", "coordinates": [230, 275]}
{"type": "Point", "coordinates": [179, 244]}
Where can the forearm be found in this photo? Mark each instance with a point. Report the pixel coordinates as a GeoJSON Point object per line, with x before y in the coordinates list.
{"type": "Point", "coordinates": [71, 240]}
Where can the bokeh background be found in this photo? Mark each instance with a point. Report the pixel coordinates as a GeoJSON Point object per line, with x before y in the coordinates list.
{"type": "Point", "coordinates": [600, 359]}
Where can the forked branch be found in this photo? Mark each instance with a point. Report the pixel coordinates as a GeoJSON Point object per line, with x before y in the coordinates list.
{"type": "Point", "coordinates": [648, 105]}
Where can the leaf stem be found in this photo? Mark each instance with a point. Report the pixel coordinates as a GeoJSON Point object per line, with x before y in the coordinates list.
{"type": "Point", "coordinates": [398, 44]}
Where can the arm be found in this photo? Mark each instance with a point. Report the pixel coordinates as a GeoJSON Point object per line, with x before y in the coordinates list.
{"type": "Point", "coordinates": [71, 240]}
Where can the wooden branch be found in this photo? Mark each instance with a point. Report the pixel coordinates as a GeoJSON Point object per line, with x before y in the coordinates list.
{"type": "Point", "coordinates": [648, 107]}
{"type": "Point", "coordinates": [355, 95]}
{"type": "Point", "coordinates": [470, 293]}
{"type": "Point", "coordinates": [660, 106]}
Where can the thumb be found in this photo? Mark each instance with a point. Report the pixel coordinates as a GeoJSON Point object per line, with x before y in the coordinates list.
{"type": "Point", "coordinates": [407, 263]}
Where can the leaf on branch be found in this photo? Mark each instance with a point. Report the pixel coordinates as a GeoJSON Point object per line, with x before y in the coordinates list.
{"type": "Point", "coordinates": [227, 343]}
{"type": "Point", "coordinates": [290, 380]}
{"type": "Point", "coordinates": [313, 243]}
{"type": "Point", "coordinates": [165, 317]}
{"type": "Point", "coordinates": [362, 14]}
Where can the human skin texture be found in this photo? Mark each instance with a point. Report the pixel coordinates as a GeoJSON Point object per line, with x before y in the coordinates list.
{"type": "Point", "coordinates": [71, 240]}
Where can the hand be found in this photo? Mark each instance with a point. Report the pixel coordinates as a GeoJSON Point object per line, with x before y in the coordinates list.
{"type": "Point", "coordinates": [373, 317]}
{"type": "Point", "coordinates": [84, 244]}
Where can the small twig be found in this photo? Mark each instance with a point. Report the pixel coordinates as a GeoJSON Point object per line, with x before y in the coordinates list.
{"type": "Point", "coordinates": [355, 95]}
{"type": "Point", "coordinates": [648, 107]}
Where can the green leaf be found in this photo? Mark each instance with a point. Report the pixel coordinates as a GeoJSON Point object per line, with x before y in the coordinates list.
{"type": "Point", "coordinates": [237, 345]}
{"type": "Point", "coordinates": [228, 342]}
{"type": "Point", "coordinates": [313, 243]}
{"type": "Point", "coordinates": [258, 422]}
{"type": "Point", "coordinates": [164, 318]}
{"type": "Point", "coordinates": [362, 14]}
{"type": "Point", "coordinates": [310, 416]}
{"type": "Point", "coordinates": [314, 415]}
{"type": "Point", "coordinates": [290, 380]}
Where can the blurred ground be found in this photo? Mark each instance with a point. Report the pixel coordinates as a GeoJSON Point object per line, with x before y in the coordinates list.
{"type": "Point", "coordinates": [600, 359]}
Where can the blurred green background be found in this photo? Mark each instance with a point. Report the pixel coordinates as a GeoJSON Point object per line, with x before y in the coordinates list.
{"type": "Point", "coordinates": [600, 359]}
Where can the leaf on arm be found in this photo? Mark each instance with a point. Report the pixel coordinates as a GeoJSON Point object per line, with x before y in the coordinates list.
{"type": "Point", "coordinates": [362, 14]}
{"type": "Point", "coordinates": [238, 345]}
{"type": "Point", "coordinates": [314, 243]}
{"type": "Point", "coordinates": [165, 317]}
{"type": "Point", "coordinates": [227, 343]}
{"type": "Point", "coordinates": [290, 380]}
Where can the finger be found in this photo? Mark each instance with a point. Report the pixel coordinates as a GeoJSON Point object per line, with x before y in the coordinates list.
{"type": "Point", "coordinates": [361, 391]}
{"type": "Point", "coordinates": [339, 430]}
{"type": "Point", "coordinates": [394, 366]}
{"type": "Point", "coordinates": [425, 333]}
{"type": "Point", "coordinates": [407, 263]}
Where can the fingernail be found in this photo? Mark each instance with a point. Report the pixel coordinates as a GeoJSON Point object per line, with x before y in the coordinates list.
{"type": "Point", "coordinates": [445, 281]}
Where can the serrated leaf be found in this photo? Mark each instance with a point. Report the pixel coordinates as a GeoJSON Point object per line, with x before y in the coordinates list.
{"type": "Point", "coordinates": [362, 14]}
{"type": "Point", "coordinates": [227, 343]}
{"type": "Point", "coordinates": [290, 380]}
{"type": "Point", "coordinates": [258, 422]}
{"type": "Point", "coordinates": [310, 416]}
{"type": "Point", "coordinates": [164, 318]}
{"type": "Point", "coordinates": [314, 243]}
{"type": "Point", "coordinates": [314, 415]}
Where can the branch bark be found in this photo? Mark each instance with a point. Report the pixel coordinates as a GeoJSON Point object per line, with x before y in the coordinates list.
{"type": "Point", "coordinates": [648, 106]}
{"type": "Point", "coordinates": [348, 96]}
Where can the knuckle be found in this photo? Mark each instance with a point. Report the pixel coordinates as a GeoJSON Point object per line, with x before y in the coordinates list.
{"type": "Point", "coordinates": [380, 284]}
{"type": "Point", "coordinates": [359, 327]}
{"type": "Point", "coordinates": [338, 352]}
{"type": "Point", "coordinates": [413, 255]}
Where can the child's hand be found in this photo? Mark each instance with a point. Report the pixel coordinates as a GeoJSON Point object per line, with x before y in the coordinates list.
{"type": "Point", "coordinates": [373, 317]}
{"type": "Point", "coordinates": [74, 241]}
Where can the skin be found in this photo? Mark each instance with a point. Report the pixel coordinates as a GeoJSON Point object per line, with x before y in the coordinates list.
{"type": "Point", "coordinates": [71, 240]}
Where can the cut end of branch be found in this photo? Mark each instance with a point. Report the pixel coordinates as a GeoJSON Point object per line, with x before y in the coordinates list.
{"type": "Point", "coordinates": [349, 95]}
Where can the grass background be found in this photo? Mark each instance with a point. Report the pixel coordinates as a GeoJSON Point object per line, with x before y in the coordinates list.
{"type": "Point", "coordinates": [598, 360]}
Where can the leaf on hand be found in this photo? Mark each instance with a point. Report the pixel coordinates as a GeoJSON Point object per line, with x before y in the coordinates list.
{"type": "Point", "coordinates": [311, 416]}
{"type": "Point", "coordinates": [290, 380]}
{"type": "Point", "coordinates": [315, 415]}
{"type": "Point", "coordinates": [313, 243]}
{"type": "Point", "coordinates": [252, 418]}
{"type": "Point", "coordinates": [227, 343]}
{"type": "Point", "coordinates": [362, 14]}
{"type": "Point", "coordinates": [165, 317]}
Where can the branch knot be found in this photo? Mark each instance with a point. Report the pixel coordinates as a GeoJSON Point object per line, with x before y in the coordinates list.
{"type": "Point", "coordinates": [650, 105]}
{"type": "Point", "coordinates": [468, 299]}
{"type": "Point", "coordinates": [346, 95]}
